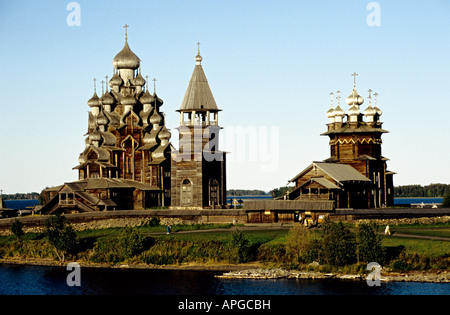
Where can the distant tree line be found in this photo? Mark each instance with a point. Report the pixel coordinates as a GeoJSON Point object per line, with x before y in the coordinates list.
{"type": "Point", "coordinates": [21, 196]}
{"type": "Point", "coordinates": [245, 192]}
{"type": "Point", "coordinates": [432, 190]}
{"type": "Point", "coordinates": [276, 192]}
{"type": "Point", "coordinates": [279, 192]}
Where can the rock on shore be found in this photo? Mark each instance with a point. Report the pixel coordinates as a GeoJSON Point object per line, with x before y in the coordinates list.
{"type": "Point", "coordinates": [260, 273]}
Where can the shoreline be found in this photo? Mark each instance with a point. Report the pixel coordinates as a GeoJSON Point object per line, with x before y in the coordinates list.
{"type": "Point", "coordinates": [253, 271]}
{"type": "Point", "coordinates": [261, 274]}
{"type": "Point", "coordinates": [48, 262]}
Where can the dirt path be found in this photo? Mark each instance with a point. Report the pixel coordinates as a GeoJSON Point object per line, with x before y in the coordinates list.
{"type": "Point", "coordinates": [268, 227]}
{"type": "Point", "coordinates": [425, 237]}
{"type": "Point", "coordinates": [259, 227]}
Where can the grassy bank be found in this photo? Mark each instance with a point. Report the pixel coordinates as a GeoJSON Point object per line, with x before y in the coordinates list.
{"type": "Point", "coordinates": [297, 248]}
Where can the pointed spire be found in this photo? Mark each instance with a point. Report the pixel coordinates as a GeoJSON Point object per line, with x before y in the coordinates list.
{"type": "Point", "coordinates": [198, 95]}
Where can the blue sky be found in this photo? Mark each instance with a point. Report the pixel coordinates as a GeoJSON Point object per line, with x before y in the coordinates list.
{"type": "Point", "coordinates": [271, 66]}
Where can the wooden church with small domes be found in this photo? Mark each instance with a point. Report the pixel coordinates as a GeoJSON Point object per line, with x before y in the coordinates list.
{"type": "Point", "coordinates": [355, 175]}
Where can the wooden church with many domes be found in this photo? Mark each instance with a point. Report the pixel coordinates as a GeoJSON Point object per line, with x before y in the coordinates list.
{"type": "Point", "coordinates": [355, 176]}
{"type": "Point", "coordinates": [127, 162]}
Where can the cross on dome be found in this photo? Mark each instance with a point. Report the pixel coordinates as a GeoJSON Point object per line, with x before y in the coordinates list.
{"type": "Point", "coordinates": [354, 79]}
{"type": "Point", "coordinates": [198, 58]}
{"type": "Point", "coordinates": [106, 78]}
{"type": "Point", "coordinates": [126, 31]}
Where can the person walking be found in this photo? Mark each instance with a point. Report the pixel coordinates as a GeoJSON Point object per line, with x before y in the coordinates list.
{"type": "Point", "coordinates": [387, 231]}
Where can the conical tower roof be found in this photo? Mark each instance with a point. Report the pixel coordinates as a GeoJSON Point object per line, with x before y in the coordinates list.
{"type": "Point", "coordinates": [198, 95]}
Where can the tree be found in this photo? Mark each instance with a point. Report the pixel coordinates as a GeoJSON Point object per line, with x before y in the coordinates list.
{"type": "Point", "coordinates": [16, 229]}
{"type": "Point", "coordinates": [132, 242]}
{"type": "Point", "coordinates": [43, 196]}
{"type": "Point", "coordinates": [240, 247]}
{"type": "Point", "coordinates": [281, 191]}
{"type": "Point", "coordinates": [299, 243]}
{"type": "Point", "coordinates": [61, 235]}
{"type": "Point", "coordinates": [446, 201]}
{"type": "Point", "coordinates": [339, 244]}
{"type": "Point", "coordinates": [369, 243]}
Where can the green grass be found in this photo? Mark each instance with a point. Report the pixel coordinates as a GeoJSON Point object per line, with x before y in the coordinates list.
{"type": "Point", "coordinates": [149, 230]}
{"type": "Point", "coordinates": [203, 236]}
{"type": "Point", "coordinates": [427, 232]}
{"type": "Point", "coordinates": [430, 248]}
{"type": "Point", "coordinates": [436, 229]}
{"type": "Point", "coordinates": [254, 237]}
{"type": "Point", "coordinates": [212, 243]}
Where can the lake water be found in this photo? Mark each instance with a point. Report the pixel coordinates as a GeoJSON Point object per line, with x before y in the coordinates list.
{"type": "Point", "coordinates": [20, 204]}
{"type": "Point", "coordinates": [401, 201]}
{"type": "Point", "coordinates": [397, 201]}
{"type": "Point", "coordinates": [43, 280]}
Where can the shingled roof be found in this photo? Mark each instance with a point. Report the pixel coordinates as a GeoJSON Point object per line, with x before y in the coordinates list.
{"type": "Point", "coordinates": [289, 205]}
{"type": "Point", "coordinates": [198, 94]}
{"type": "Point", "coordinates": [339, 172]}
